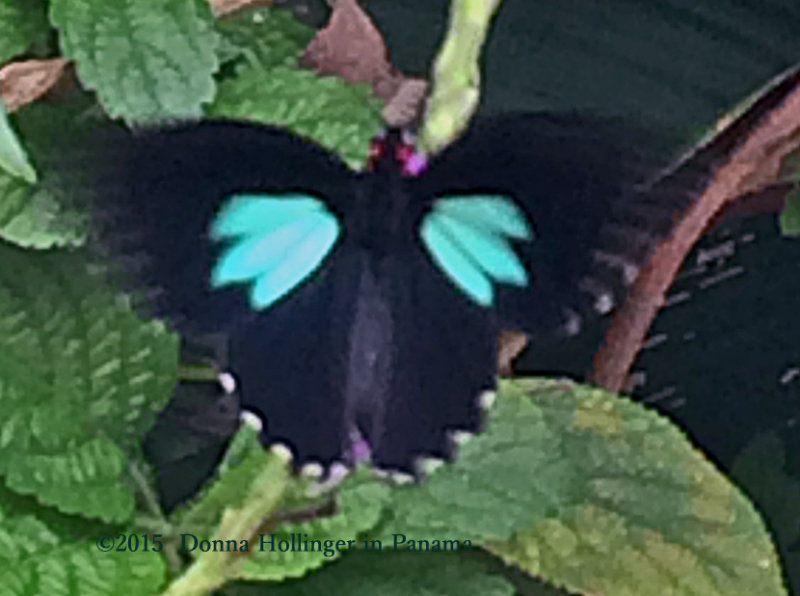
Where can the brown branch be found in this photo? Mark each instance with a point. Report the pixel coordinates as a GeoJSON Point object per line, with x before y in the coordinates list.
{"type": "Point", "coordinates": [754, 145]}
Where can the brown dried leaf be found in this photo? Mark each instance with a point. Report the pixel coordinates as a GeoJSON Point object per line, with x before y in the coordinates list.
{"type": "Point", "coordinates": [407, 104]}
{"type": "Point", "coordinates": [24, 82]}
{"type": "Point", "coordinates": [351, 47]}
{"type": "Point", "coordinates": [511, 345]}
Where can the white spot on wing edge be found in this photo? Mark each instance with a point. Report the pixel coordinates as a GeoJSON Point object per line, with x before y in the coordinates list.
{"type": "Point", "coordinates": [627, 268]}
{"type": "Point", "coordinates": [228, 382]}
{"type": "Point", "coordinates": [252, 420]}
{"type": "Point", "coordinates": [603, 298]}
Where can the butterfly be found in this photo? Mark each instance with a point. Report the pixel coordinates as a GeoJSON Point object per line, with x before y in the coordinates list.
{"type": "Point", "coordinates": [363, 308]}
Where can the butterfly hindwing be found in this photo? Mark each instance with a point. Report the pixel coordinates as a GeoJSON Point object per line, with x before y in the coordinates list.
{"type": "Point", "coordinates": [292, 367]}
{"type": "Point", "coordinates": [382, 350]}
{"type": "Point", "coordinates": [444, 358]}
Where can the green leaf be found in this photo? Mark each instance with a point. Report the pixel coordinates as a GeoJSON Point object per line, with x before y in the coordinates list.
{"type": "Point", "coordinates": [202, 517]}
{"type": "Point", "coordinates": [32, 217]}
{"type": "Point", "coordinates": [45, 214]}
{"type": "Point", "coordinates": [81, 380]}
{"type": "Point", "coordinates": [85, 479]}
{"type": "Point", "coordinates": [12, 156]}
{"type": "Point", "coordinates": [81, 570]}
{"type": "Point", "coordinates": [264, 493]}
{"type": "Point", "coordinates": [515, 472]}
{"type": "Point", "coordinates": [760, 469]}
{"type": "Point", "coordinates": [243, 444]}
{"type": "Point", "coordinates": [339, 116]}
{"type": "Point", "coordinates": [790, 216]}
{"type": "Point", "coordinates": [652, 515]}
{"type": "Point", "coordinates": [264, 38]}
{"type": "Point", "coordinates": [387, 574]}
{"type": "Point", "coordinates": [146, 60]}
{"type": "Point", "coordinates": [15, 196]}
{"type": "Point", "coordinates": [22, 23]}
{"type": "Point", "coordinates": [361, 501]}
{"type": "Point", "coordinates": [22, 536]}
{"type": "Point", "coordinates": [36, 559]}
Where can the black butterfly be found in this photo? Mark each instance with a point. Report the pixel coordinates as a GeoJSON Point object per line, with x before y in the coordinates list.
{"type": "Point", "coordinates": [365, 307]}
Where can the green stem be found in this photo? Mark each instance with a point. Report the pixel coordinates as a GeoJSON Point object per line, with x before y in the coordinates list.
{"type": "Point", "coordinates": [456, 73]}
{"type": "Point", "coordinates": [157, 515]}
{"type": "Point", "coordinates": [212, 570]}
{"type": "Point", "coordinates": [198, 372]}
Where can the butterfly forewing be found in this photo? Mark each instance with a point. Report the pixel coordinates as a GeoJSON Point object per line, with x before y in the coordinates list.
{"type": "Point", "coordinates": [469, 238]}
{"type": "Point", "coordinates": [568, 184]}
{"type": "Point", "coordinates": [272, 247]}
{"type": "Point", "coordinates": [178, 199]}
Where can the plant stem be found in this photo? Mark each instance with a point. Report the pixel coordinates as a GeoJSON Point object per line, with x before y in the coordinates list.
{"type": "Point", "coordinates": [456, 73]}
{"type": "Point", "coordinates": [151, 502]}
{"type": "Point", "coordinates": [212, 570]}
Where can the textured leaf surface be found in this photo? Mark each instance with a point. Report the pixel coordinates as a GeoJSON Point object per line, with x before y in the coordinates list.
{"type": "Point", "coordinates": [40, 215]}
{"type": "Point", "coordinates": [648, 515]}
{"type": "Point", "coordinates": [81, 378]}
{"type": "Point", "coordinates": [146, 60]}
{"type": "Point", "coordinates": [337, 115]}
{"type": "Point", "coordinates": [80, 570]}
{"type": "Point", "coordinates": [264, 38]}
{"type": "Point", "coordinates": [12, 156]}
{"type": "Point", "coordinates": [202, 518]}
{"type": "Point", "coordinates": [387, 574]}
{"type": "Point", "coordinates": [32, 217]}
{"type": "Point", "coordinates": [36, 559]}
{"type": "Point", "coordinates": [515, 472]}
{"type": "Point", "coordinates": [22, 23]}
{"type": "Point", "coordinates": [360, 503]}
{"type": "Point", "coordinates": [790, 217]}
{"type": "Point", "coordinates": [761, 468]}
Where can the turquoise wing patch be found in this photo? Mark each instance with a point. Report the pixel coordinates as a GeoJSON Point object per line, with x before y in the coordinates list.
{"type": "Point", "coordinates": [469, 238]}
{"type": "Point", "coordinates": [273, 242]}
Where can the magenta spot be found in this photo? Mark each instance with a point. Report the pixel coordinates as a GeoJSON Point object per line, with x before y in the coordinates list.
{"type": "Point", "coordinates": [361, 451]}
{"type": "Point", "coordinates": [415, 164]}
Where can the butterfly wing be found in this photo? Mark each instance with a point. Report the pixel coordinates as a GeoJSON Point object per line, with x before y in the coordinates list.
{"type": "Point", "coordinates": [444, 358]}
{"type": "Point", "coordinates": [469, 238]}
{"type": "Point", "coordinates": [292, 364]}
{"type": "Point", "coordinates": [374, 350]}
{"type": "Point", "coordinates": [385, 336]}
{"type": "Point", "coordinates": [189, 209]}
{"type": "Point", "coordinates": [239, 229]}
{"type": "Point", "coordinates": [231, 218]}
{"type": "Point", "coordinates": [573, 181]}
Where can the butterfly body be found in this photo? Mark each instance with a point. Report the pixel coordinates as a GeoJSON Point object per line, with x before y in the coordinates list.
{"type": "Point", "coordinates": [365, 307]}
